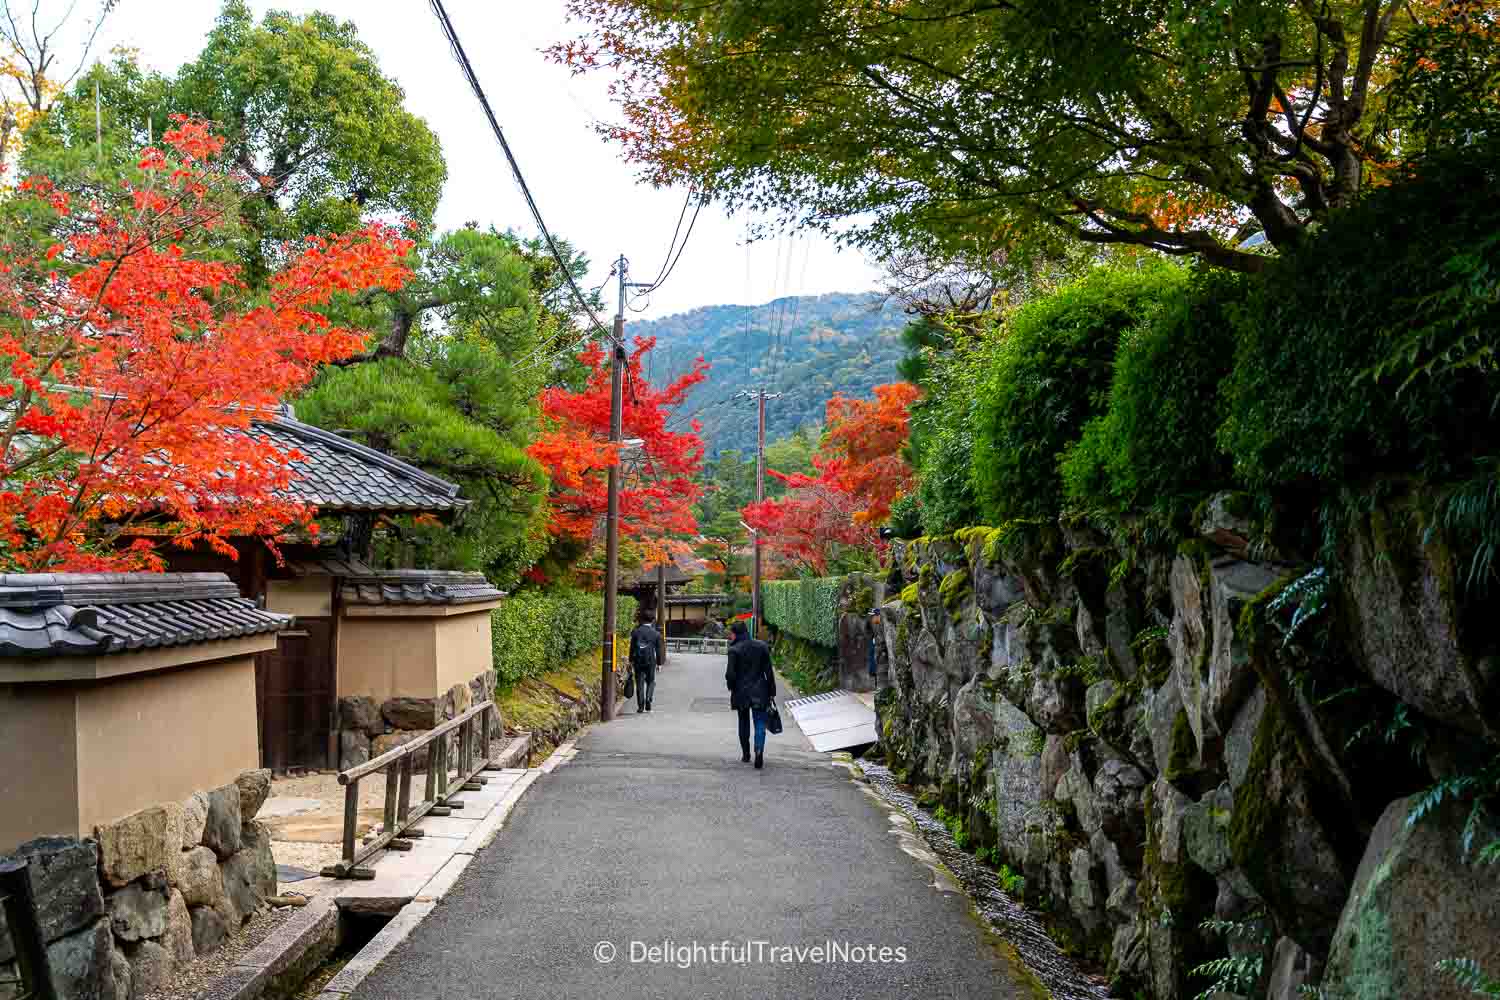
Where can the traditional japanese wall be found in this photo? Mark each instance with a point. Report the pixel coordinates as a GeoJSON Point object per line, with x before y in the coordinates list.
{"type": "Point", "coordinates": [1156, 740]}
{"type": "Point", "coordinates": [160, 736]}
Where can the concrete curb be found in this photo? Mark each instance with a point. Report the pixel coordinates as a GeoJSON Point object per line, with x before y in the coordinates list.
{"type": "Point", "coordinates": [284, 959]}
{"type": "Point", "coordinates": [372, 954]}
{"type": "Point", "coordinates": [280, 962]}
{"type": "Point", "coordinates": [514, 753]}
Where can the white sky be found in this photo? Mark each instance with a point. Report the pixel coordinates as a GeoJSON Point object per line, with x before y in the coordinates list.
{"type": "Point", "coordinates": [586, 193]}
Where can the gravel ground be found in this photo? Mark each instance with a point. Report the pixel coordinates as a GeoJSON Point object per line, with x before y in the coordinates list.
{"type": "Point", "coordinates": [191, 978]}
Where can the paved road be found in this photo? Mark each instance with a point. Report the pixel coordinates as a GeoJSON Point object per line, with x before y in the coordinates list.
{"type": "Point", "coordinates": [657, 833]}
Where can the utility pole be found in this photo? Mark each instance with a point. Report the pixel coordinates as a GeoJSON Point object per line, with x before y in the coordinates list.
{"type": "Point", "coordinates": [661, 608]}
{"type": "Point", "coordinates": [612, 514]}
{"type": "Point", "coordinates": [760, 396]}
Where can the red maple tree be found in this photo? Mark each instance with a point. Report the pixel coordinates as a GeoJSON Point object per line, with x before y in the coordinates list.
{"type": "Point", "coordinates": [861, 472]}
{"type": "Point", "coordinates": [133, 363]}
{"type": "Point", "coordinates": [658, 489]}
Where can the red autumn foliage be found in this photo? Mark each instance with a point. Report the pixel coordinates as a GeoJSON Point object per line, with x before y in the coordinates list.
{"type": "Point", "coordinates": [860, 473]}
{"type": "Point", "coordinates": [658, 489]}
{"type": "Point", "coordinates": [867, 436]}
{"type": "Point", "coordinates": [132, 367]}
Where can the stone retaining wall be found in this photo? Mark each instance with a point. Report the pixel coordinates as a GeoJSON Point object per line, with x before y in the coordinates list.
{"type": "Point", "coordinates": [157, 888]}
{"type": "Point", "coordinates": [368, 729]}
{"type": "Point", "coordinates": [1155, 741]}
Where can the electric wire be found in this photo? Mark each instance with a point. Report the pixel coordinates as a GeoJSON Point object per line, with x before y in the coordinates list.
{"type": "Point", "coordinates": [468, 70]}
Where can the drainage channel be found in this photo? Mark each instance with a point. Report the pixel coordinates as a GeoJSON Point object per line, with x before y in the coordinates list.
{"type": "Point", "coordinates": [1006, 918]}
{"type": "Point", "coordinates": [354, 932]}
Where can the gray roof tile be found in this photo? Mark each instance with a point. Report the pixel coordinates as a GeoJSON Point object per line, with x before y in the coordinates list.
{"type": "Point", "coordinates": [416, 586]}
{"type": "Point", "coordinates": [337, 474]}
{"type": "Point", "coordinates": [62, 614]}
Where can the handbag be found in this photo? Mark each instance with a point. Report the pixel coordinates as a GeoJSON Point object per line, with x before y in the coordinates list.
{"type": "Point", "coordinates": [773, 719]}
{"type": "Point", "coordinates": [629, 691]}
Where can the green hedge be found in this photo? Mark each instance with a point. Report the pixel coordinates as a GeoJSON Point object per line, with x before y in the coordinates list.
{"type": "Point", "coordinates": [534, 632]}
{"type": "Point", "coordinates": [1152, 449]}
{"type": "Point", "coordinates": [1046, 375]}
{"type": "Point", "coordinates": [1371, 350]}
{"type": "Point", "coordinates": [808, 609]}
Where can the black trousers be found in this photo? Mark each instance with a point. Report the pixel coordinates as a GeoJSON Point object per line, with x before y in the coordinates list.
{"type": "Point", "coordinates": [645, 684]}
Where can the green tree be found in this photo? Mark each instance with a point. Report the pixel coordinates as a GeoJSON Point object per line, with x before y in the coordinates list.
{"type": "Point", "coordinates": [961, 127]}
{"type": "Point", "coordinates": [321, 132]}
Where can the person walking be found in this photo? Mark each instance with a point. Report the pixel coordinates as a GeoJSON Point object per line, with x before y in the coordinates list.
{"type": "Point", "coordinates": [645, 649]}
{"type": "Point", "coordinates": [752, 685]}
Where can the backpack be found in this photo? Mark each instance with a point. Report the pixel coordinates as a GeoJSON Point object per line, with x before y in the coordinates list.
{"type": "Point", "coordinates": [642, 653]}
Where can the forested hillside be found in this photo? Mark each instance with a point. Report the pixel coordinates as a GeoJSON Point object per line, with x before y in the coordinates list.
{"type": "Point", "coordinates": [806, 347]}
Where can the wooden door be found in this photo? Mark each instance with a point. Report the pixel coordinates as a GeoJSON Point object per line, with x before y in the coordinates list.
{"type": "Point", "coordinates": [295, 690]}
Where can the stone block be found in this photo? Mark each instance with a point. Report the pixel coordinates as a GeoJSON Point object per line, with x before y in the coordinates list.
{"type": "Point", "coordinates": [256, 838]}
{"type": "Point", "coordinates": [64, 875]}
{"type": "Point", "coordinates": [462, 697]}
{"type": "Point", "coordinates": [354, 748]}
{"type": "Point", "coordinates": [199, 879]}
{"type": "Point", "coordinates": [82, 964]}
{"type": "Point", "coordinates": [139, 910]}
{"type": "Point", "coordinates": [382, 744]}
{"type": "Point", "coordinates": [209, 929]}
{"type": "Point", "coordinates": [194, 818]}
{"type": "Point", "coordinates": [145, 841]}
{"type": "Point", "coordinates": [179, 937]}
{"type": "Point", "coordinates": [412, 713]}
{"type": "Point", "coordinates": [1417, 898]}
{"type": "Point", "coordinates": [151, 967]}
{"type": "Point", "coordinates": [222, 830]}
{"type": "Point", "coordinates": [360, 712]}
{"type": "Point", "coordinates": [255, 788]}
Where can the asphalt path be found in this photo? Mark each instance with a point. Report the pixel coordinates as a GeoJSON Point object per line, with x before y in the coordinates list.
{"type": "Point", "coordinates": [658, 865]}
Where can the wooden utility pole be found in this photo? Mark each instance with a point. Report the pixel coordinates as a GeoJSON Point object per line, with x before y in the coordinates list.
{"type": "Point", "coordinates": [612, 515]}
{"type": "Point", "coordinates": [760, 396]}
{"type": "Point", "coordinates": [661, 608]}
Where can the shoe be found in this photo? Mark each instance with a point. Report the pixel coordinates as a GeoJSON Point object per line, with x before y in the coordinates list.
{"type": "Point", "coordinates": [639, 709]}
{"type": "Point", "coordinates": [760, 761]}
{"type": "Point", "coordinates": [745, 756]}
{"type": "Point", "coordinates": [648, 706]}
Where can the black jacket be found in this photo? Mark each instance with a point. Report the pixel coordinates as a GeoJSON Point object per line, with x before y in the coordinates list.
{"type": "Point", "coordinates": [752, 684]}
{"type": "Point", "coordinates": [645, 646]}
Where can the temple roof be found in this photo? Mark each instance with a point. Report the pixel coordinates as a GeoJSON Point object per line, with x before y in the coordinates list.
{"type": "Point", "coordinates": [337, 475]}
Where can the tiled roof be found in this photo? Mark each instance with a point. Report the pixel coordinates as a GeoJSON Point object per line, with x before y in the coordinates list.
{"type": "Point", "coordinates": [417, 586]}
{"type": "Point", "coordinates": [62, 614]}
{"type": "Point", "coordinates": [337, 474]}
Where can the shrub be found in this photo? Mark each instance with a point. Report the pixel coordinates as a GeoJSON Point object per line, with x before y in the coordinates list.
{"type": "Point", "coordinates": [1152, 449]}
{"type": "Point", "coordinates": [942, 439]}
{"type": "Point", "coordinates": [534, 632]}
{"type": "Point", "coordinates": [806, 608]}
{"type": "Point", "coordinates": [1049, 371]}
{"type": "Point", "coordinates": [1370, 349]}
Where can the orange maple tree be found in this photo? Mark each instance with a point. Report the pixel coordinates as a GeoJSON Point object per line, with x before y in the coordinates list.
{"type": "Point", "coordinates": [861, 472]}
{"type": "Point", "coordinates": [659, 485]}
{"type": "Point", "coordinates": [131, 363]}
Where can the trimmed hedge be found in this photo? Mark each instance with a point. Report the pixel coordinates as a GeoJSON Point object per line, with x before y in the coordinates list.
{"type": "Point", "coordinates": [1047, 372]}
{"type": "Point", "coordinates": [808, 609]}
{"type": "Point", "coordinates": [535, 632]}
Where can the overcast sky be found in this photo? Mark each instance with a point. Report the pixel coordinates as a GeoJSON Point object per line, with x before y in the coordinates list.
{"type": "Point", "coordinates": [585, 192]}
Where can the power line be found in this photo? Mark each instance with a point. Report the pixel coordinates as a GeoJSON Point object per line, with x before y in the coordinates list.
{"type": "Point", "coordinates": [463, 60]}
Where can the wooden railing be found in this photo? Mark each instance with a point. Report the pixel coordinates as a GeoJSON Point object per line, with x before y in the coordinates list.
{"type": "Point", "coordinates": [460, 745]}
{"type": "Point", "coordinates": [19, 907]}
{"type": "Point", "coordinates": [697, 645]}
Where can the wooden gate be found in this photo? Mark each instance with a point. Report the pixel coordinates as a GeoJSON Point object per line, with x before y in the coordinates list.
{"type": "Point", "coordinates": [294, 689]}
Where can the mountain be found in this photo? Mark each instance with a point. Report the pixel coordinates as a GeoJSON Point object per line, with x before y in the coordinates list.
{"type": "Point", "coordinates": [805, 347]}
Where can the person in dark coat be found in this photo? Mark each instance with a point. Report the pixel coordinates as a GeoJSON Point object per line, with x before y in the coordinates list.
{"type": "Point", "coordinates": [645, 651]}
{"type": "Point", "coordinates": [752, 685]}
